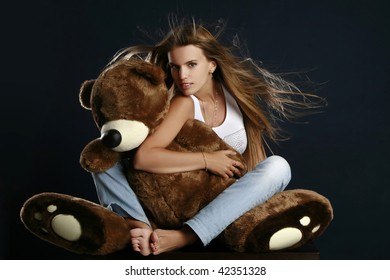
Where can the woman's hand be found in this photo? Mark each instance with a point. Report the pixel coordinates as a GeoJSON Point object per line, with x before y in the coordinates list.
{"type": "Point", "coordinates": [222, 165]}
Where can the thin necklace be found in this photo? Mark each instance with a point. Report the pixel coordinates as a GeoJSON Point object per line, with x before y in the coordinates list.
{"type": "Point", "coordinates": [215, 110]}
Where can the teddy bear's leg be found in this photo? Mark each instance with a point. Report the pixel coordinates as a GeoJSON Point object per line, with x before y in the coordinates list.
{"type": "Point", "coordinates": [287, 220]}
{"type": "Point", "coordinates": [75, 224]}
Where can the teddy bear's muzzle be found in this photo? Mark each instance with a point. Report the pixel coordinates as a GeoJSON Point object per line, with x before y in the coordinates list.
{"type": "Point", "coordinates": [123, 135]}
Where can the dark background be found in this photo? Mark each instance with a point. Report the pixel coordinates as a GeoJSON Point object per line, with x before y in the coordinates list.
{"type": "Point", "coordinates": [48, 48]}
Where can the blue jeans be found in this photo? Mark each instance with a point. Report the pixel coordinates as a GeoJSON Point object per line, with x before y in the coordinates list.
{"type": "Point", "coordinates": [268, 178]}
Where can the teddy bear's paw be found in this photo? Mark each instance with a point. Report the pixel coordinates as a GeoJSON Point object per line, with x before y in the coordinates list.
{"type": "Point", "coordinates": [65, 226]}
{"type": "Point", "coordinates": [74, 223]}
{"type": "Point", "coordinates": [286, 221]}
{"type": "Point", "coordinates": [50, 216]}
{"type": "Point", "coordinates": [289, 236]}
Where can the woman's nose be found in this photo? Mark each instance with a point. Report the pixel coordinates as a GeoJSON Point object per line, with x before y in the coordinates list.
{"type": "Point", "coordinates": [183, 73]}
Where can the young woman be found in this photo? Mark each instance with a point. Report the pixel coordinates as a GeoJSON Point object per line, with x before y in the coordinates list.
{"type": "Point", "coordinates": [240, 101]}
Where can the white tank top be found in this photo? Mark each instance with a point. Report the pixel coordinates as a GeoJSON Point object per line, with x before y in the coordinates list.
{"type": "Point", "coordinates": [232, 130]}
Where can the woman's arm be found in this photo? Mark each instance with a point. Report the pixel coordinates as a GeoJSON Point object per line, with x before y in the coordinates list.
{"type": "Point", "coordinates": [152, 155]}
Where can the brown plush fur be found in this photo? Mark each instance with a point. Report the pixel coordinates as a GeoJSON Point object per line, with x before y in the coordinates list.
{"type": "Point", "coordinates": [134, 90]}
{"type": "Point", "coordinates": [258, 225]}
{"type": "Point", "coordinates": [104, 230]}
{"type": "Point", "coordinates": [174, 198]}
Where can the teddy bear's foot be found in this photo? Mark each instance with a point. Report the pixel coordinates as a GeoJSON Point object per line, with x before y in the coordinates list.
{"type": "Point", "coordinates": [75, 224]}
{"type": "Point", "coordinates": [286, 221]}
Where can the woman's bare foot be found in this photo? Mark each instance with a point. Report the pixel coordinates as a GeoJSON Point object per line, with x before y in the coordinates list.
{"type": "Point", "coordinates": [141, 237]}
{"type": "Point", "coordinates": [144, 240]}
{"type": "Point", "coordinates": [169, 240]}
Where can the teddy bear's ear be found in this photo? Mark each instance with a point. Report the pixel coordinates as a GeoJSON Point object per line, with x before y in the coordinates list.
{"type": "Point", "coordinates": [152, 73]}
{"type": "Point", "coordinates": [85, 93]}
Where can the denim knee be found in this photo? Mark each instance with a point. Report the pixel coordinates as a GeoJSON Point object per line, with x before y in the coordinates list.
{"type": "Point", "coordinates": [280, 169]}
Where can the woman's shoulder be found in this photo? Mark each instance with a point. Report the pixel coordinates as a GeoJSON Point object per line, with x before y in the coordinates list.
{"type": "Point", "coordinates": [182, 103]}
{"type": "Point", "coordinates": [182, 100]}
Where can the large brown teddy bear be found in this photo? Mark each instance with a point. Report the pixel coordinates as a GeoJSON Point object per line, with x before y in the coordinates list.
{"type": "Point", "coordinates": [128, 101]}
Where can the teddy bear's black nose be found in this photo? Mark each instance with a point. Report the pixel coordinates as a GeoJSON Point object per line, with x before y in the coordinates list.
{"type": "Point", "coordinates": [111, 138]}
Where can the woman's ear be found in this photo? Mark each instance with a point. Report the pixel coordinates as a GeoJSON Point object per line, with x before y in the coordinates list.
{"type": "Point", "coordinates": [212, 66]}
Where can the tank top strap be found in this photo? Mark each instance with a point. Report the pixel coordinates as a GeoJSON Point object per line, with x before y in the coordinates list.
{"type": "Point", "coordinates": [197, 110]}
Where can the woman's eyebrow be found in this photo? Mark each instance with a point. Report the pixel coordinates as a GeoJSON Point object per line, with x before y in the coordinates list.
{"type": "Point", "coordinates": [188, 62]}
{"type": "Point", "coordinates": [191, 61]}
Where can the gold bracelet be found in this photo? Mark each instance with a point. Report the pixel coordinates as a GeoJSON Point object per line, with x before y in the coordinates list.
{"type": "Point", "coordinates": [205, 162]}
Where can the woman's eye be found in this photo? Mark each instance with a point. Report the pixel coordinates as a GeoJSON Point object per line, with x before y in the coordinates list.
{"type": "Point", "coordinates": [173, 67]}
{"type": "Point", "coordinates": [191, 65]}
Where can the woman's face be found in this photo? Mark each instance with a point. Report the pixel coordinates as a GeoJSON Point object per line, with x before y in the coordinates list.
{"type": "Point", "coordinates": [190, 69]}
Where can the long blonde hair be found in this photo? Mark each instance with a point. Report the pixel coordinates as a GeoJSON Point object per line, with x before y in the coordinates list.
{"type": "Point", "coordinates": [263, 97]}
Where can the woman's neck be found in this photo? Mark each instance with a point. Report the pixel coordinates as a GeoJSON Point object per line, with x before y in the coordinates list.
{"type": "Point", "coordinates": [209, 92]}
{"type": "Point", "coordinates": [212, 106]}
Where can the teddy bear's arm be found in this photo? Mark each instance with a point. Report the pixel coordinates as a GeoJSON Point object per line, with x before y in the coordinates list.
{"type": "Point", "coordinates": [95, 157]}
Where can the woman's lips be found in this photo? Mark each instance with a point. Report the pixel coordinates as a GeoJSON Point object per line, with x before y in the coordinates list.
{"type": "Point", "coordinates": [185, 86]}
